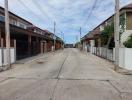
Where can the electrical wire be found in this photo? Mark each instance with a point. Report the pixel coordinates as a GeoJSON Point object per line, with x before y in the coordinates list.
{"type": "Point", "coordinates": [25, 6]}
{"type": "Point", "coordinates": [91, 11]}
{"type": "Point", "coordinates": [39, 7]}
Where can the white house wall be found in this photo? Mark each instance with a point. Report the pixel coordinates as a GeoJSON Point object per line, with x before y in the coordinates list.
{"type": "Point", "coordinates": [125, 36]}
{"type": "Point", "coordinates": [13, 56]}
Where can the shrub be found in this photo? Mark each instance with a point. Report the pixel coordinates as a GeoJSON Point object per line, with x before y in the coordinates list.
{"type": "Point", "coordinates": [128, 43]}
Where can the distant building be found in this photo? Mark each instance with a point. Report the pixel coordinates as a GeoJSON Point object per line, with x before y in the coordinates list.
{"type": "Point", "coordinates": [69, 45]}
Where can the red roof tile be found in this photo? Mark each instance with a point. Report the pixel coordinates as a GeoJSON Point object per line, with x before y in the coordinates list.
{"type": "Point", "coordinates": [128, 6]}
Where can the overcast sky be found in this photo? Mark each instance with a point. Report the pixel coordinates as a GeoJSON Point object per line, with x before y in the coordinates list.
{"type": "Point", "coordinates": [69, 15]}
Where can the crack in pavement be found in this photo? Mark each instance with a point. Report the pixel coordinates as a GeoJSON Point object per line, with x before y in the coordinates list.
{"type": "Point", "coordinates": [116, 89]}
{"type": "Point", "coordinates": [58, 77]}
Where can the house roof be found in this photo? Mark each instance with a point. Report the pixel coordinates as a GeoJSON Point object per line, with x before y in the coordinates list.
{"type": "Point", "coordinates": [32, 26]}
{"type": "Point", "coordinates": [129, 6]}
{"type": "Point", "coordinates": [16, 16]}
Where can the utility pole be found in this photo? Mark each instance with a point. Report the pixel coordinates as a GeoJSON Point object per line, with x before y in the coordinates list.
{"type": "Point", "coordinates": [117, 28]}
{"type": "Point", "coordinates": [77, 41]}
{"type": "Point", "coordinates": [63, 40]}
{"type": "Point", "coordinates": [80, 33]}
{"type": "Point", "coordinates": [7, 32]}
{"type": "Point", "coordinates": [62, 37]}
{"type": "Point", "coordinates": [80, 37]}
{"type": "Point", "coordinates": [54, 34]}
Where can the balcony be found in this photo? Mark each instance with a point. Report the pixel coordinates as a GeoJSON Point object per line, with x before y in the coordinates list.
{"type": "Point", "coordinates": [2, 18]}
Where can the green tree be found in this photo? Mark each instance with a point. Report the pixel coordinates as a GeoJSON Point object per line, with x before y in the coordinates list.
{"type": "Point", "coordinates": [107, 33]}
{"type": "Point", "coordinates": [128, 43]}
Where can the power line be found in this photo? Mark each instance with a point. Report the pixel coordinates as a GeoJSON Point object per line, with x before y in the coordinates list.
{"type": "Point", "coordinates": [91, 11]}
{"type": "Point", "coordinates": [21, 2]}
{"type": "Point", "coordinates": [38, 6]}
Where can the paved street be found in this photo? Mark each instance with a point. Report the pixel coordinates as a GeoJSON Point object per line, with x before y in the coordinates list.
{"type": "Point", "coordinates": [65, 75]}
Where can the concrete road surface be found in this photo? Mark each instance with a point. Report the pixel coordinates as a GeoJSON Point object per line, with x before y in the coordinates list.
{"type": "Point", "coordinates": [65, 75]}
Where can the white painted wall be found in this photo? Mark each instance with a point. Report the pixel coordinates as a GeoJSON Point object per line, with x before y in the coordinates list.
{"type": "Point", "coordinates": [84, 46]}
{"type": "Point", "coordinates": [125, 36]}
{"type": "Point", "coordinates": [103, 52]}
{"type": "Point", "coordinates": [92, 44]}
{"type": "Point", "coordinates": [125, 58]}
{"type": "Point", "coordinates": [13, 56]}
{"type": "Point", "coordinates": [128, 58]}
{"type": "Point", "coordinates": [125, 55]}
{"type": "Point", "coordinates": [0, 57]}
{"type": "Point", "coordinates": [121, 57]}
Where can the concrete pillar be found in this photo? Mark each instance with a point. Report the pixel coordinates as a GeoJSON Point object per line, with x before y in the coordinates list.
{"type": "Point", "coordinates": [41, 47]}
{"type": "Point", "coordinates": [0, 36]}
{"type": "Point", "coordinates": [15, 49]}
{"type": "Point", "coordinates": [38, 45]}
{"type": "Point", "coordinates": [92, 44]}
{"type": "Point", "coordinates": [29, 44]}
{"type": "Point", "coordinates": [99, 42]}
{"type": "Point", "coordinates": [84, 46]}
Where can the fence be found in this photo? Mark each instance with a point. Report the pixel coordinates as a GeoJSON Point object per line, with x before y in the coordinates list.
{"type": "Point", "coordinates": [125, 55]}
{"type": "Point", "coordinates": [3, 60]}
{"type": "Point", "coordinates": [103, 52]}
{"type": "Point", "coordinates": [125, 58]}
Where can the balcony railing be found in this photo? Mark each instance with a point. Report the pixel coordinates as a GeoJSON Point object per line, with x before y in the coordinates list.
{"type": "Point", "coordinates": [2, 18]}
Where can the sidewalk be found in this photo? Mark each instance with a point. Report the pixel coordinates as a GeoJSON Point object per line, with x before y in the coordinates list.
{"type": "Point", "coordinates": [29, 59]}
{"type": "Point", "coordinates": [33, 58]}
{"type": "Point", "coordinates": [124, 71]}
{"type": "Point", "coordinates": [121, 70]}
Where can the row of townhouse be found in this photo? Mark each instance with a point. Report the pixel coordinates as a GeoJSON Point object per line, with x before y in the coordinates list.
{"type": "Point", "coordinates": [95, 42]}
{"type": "Point", "coordinates": [26, 38]}
{"type": "Point", "coordinates": [125, 29]}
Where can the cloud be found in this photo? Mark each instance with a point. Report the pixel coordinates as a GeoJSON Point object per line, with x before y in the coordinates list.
{"type": "Point", "coordinates": [69, 15]}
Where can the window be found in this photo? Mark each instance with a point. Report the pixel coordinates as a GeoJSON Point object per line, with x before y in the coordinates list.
{"type": "Point", "coordinates": [101, 28]}
{"type": "Point", "coordinates": [13, 22]}
{"type": "Point", "coordinates": [2, 18]}
{"type": "Point", "coordinates": [22, 25]}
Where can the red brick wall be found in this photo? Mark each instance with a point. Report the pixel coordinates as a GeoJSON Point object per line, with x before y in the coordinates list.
{"type": "Point", "coordinates": [49, 46]}
{"type": "Point", "coordinates": [58, 46]}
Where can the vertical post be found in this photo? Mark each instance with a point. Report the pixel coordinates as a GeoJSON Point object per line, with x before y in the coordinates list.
{"type": "Point", "coordinates": [2, 51]}
{"type": "Point", "coordinates": [29, 44]}
{"type": "Point", "coordinates": [45, 46]}
{"type": "Point", "coordinates": [80, 37]}
{"type": "Point", "coordinates": [0, 36]}
{"type": "Point", "coordinates": [54, 34]}
{"type": "Point", "coordinates": [41, 47]}
{"type": "Point", "coordinates": [7, 30]}
{"type": "Point", "coordinates": [80, 33]}
{"type": "Point", "coordinates": [62, 40]}
{"type": "Point", "coordinates": [77, 41]}
{"type": "Point", "coordinates": [15, 50]}
{"type": "Point", "coordinates": [1, 45]}
{"type": "Point", "coordinates": [117, 34]}
{"type": "Point", "coordinates": [37, 42]}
